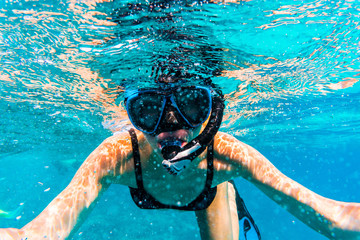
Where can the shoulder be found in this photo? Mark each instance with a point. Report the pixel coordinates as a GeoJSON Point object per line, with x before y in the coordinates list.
{"type": "Point", "coordinates": [121, 143]}
{"type": "Point", "coordinates": [119, 146]}
{"type": "Point", "coordinates": [221, 136]}
{"type": "Point", "coordinates": [123, 139]}
{"type": "Point", "coordinates": [119, 153]}
{"type": "Point", "coordinates": [233, 158]}
{"type": "Point", "coordinates": [227, 146]}
{"type": "Point", "coordinates": [118, 139]}
{"type": "Point", "coordinates": [223, 142]}
{"type": "Point", "coordinates": [112, 156]}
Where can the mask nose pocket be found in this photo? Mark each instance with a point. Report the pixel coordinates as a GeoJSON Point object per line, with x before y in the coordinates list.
{"type": "Point", "coordinates": [170, 117]}
{"type": "Point", "coordinates": [171, 120]}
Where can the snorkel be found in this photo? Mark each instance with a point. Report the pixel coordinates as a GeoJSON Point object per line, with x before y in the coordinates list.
{"type": "Point", "coordinates": [175, 154]}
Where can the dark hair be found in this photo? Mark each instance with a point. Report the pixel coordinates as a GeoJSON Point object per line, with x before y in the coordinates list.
{"type": "Point", "coordinates": [161, 46]}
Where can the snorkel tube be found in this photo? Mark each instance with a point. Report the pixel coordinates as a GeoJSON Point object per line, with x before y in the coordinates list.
{"type": "Point", "coordinates": [196, 146]}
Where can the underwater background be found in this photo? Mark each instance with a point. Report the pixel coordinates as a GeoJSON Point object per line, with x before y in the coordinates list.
{"type": "Point", "coordinates": [289, 71]}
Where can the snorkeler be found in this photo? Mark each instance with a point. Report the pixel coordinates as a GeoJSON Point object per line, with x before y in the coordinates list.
{"type": "Point", "coordinates": [177, 159]}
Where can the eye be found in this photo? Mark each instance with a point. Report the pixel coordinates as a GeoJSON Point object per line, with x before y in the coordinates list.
{"type": "Point", "coordinates": [145, 110]}
{"type": "Point", "coordinates": [194, 104]}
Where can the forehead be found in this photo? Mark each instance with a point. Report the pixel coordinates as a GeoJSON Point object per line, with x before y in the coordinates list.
{"type": "Point", "coordinates": [163, 89]}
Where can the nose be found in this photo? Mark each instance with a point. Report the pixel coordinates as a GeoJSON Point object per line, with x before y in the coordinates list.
{"type": "Point", "coordinates": [170, 116]}
{"type": "Point", "coordinates": [171, 120]}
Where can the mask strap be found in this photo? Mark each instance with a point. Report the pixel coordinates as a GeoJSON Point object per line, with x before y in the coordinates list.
{"type": "Point", "coordinates": [194, 148]}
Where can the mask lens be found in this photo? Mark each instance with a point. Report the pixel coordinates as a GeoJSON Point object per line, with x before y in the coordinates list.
{"type": "Point", "coordinates": [194, 104]}
{"type": "Point", "coordinates": [145, 110]}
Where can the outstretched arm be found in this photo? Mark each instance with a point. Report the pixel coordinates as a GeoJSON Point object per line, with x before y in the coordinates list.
{"type": "Point", "coordinates": [67, 211]}
{"type": "Point", "coordinates": [334, 219]}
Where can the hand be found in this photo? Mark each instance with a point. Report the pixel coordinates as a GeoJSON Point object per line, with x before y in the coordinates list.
{"type": "Point", "coordinates": [175, 167]}
{"type": "Point", "coordinates": [11, 234]}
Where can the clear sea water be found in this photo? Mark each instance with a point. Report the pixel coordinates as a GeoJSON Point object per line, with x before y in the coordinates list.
{"type": "Point", "coordinates": [289, 69]}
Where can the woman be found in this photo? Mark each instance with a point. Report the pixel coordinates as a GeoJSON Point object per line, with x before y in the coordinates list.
{"type": "Point", "coordinates": [171, 162]}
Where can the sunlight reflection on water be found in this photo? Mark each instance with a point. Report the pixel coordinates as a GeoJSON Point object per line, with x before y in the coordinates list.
{"type": "Point", "coordinates": [67, 55]}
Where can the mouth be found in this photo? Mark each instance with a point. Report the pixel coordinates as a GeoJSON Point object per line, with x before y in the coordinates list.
{"type": "Point", "coordinates": [178, 138]}
{"type": "Point", "coordinates": [170, 147]}
{"type": "Point", "coordinates": [169, 142]}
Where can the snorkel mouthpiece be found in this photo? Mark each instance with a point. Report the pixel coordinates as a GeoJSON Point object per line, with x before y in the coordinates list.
{"type": "Point", "coordinates": [170, 148]}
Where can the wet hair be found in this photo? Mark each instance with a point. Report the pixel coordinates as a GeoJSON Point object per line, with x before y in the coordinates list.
{"type": "Point", "coordinates": [169, 48]}
{"type": "Point", "coordinates": [184, 63]}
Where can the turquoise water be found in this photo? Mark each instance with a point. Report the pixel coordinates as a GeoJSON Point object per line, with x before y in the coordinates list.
{"type": "Point", "coordinates": [289, 69]}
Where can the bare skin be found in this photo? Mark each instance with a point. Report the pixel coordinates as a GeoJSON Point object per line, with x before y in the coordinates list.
{"type": "Point", "coordinates": [112, 162]}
